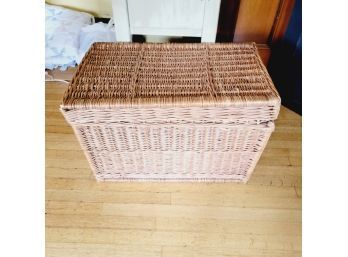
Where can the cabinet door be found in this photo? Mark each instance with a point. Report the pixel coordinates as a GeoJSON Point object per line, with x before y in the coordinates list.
{"type": "Point", "coordinates": [255, 20]}
{"type": "Point", "coordinates": [166, 17]}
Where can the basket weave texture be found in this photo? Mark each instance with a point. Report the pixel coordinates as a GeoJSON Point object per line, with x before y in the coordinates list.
{"type": "Point", "coordinates": [174, 112]}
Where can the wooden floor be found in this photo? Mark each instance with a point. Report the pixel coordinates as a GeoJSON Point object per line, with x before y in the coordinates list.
{"type": "Point", "coordinates": [87, 218]}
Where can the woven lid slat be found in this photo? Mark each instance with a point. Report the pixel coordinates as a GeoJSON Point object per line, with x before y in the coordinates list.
{"type": "Point", "coordinates": [131, 74]}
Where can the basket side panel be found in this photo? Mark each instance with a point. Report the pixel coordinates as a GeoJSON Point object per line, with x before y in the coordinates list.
{"type": "Point", "coordinates": [173, 152]}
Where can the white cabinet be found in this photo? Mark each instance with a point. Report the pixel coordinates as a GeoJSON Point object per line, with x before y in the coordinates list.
{"type": "Point", "coordinates": [196, 18]}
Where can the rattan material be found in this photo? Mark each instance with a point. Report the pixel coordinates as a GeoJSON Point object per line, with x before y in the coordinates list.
{"type": "Point", "coordinates": [187, 112]}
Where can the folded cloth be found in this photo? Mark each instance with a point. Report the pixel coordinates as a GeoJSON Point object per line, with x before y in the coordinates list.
{"type": "Point", "coordinates": [62, 35]}
{"type": "Point", "coordinates": [98, 32]}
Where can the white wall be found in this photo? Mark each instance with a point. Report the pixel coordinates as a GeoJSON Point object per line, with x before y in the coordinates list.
{"type": "Point", "coordinates": [98, 8]}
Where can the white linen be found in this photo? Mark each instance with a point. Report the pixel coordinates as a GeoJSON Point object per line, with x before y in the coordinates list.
{"type": "Point", "coordinates": [62, 35]}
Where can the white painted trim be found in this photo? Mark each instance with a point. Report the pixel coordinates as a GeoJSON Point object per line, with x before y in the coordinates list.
{"type": "Point", "coordinates": [120, 15]}
{"type": "Point", "coordinates": [211, 19]}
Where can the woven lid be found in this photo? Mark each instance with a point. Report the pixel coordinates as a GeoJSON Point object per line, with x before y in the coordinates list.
{"type": "Point", "coordinates": [132, 74]}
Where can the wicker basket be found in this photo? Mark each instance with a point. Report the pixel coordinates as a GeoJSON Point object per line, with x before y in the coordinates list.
{"type": "Point", "coordinates": [174, 112]}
